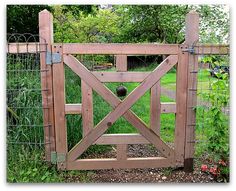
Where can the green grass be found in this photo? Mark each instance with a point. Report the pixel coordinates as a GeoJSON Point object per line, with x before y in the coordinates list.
{"type": "Point", "coordinates": [169, 80]}
{"type": "Point", "coordinates": [28, 166]}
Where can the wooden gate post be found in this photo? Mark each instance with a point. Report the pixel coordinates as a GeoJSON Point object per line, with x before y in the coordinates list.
{"type": "Point", "coordinates": [192, 37]}
{"type": "Point", "coordinates": [46, 37]}
{"type": "Point", "coordinates": [59, 109]}
{"type": "Point", "coordinates": [181, 105]}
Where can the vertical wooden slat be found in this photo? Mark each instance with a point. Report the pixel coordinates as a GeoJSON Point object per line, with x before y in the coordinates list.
{"type": "Point", "coordinates": [121, 152]}
{"type": "Point", "coordinates": [192, 36]}
{"type": "Point", "coordinates": [181, 105]}
{"type": "Point", "coordinates": [155, 108]}
{"type": "Point", "coordinates": [121, 66]}
{"type": "Point", "coordinates": [87, 107]}
{"type": "Point", "coordinates": [46, 37]}
{"type": "Point", "coordinates": [59, 109]}
{"type": "Point", "coordinates": [121, 63]}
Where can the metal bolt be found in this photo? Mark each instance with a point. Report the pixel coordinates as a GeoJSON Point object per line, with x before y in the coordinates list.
{"type": "Point", "coordinates": [109, 124]}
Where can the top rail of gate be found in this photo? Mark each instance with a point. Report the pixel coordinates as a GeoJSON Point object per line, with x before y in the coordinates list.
{"type": "Point", "coordinates": [119, 48]}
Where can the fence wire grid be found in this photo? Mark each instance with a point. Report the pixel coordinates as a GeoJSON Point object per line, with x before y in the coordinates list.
{"type": "Point", "coordinates": [25, 128]}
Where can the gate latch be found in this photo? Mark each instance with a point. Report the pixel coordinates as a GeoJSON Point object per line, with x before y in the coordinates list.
{"type": "Point", "coordinates": [57, 157]}
{"type": "Point", "coordinates": [53, 58]}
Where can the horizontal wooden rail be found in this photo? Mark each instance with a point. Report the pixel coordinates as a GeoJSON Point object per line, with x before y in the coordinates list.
{"type": "Point", "coordinates": [119, 48]}
{"type": "Point", "coordinates": [116, 139]}
{"type": "Point", "coordinates": [121, 76]}
{"type": "Point", "coordinates": [73, 108]}
{"type": "Point", "coordinates": [211, 49]}
{"type": "Point", "coordinates": [168, 107]}
{"type": "Point", "coordinates": [116, 48]}
{"type": "Point", "coordinates": [33, 47]}
{"type": "Point", "coordinates": [113, 163]}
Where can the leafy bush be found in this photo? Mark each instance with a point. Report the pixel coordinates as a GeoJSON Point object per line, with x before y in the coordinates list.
{"type": "Point", "coordinates": [218, 126]}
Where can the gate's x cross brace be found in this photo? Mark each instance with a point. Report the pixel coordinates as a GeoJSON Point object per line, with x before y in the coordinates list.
{"type": "Point", "coordinates": [121, 108]}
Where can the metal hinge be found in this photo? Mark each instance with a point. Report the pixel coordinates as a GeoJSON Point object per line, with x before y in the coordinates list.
{"type": "Point", "coordinates": [57, 157]}
{"type": "Point", "coordinates": [190, 50]}
{"type": "Point", "coordinates": [53, 58]}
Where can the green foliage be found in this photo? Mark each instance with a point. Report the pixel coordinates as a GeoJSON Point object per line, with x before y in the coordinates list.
{"type": "Point", "coordinates": [218, 134]}
{"type": "Point", "coordinates": [24, 99]}
{"type": "Point", "coordinates": [218, 124]}
{"type": "Point", "coordinates": [28, 166]}
{"type": "Point", "coordinates": [215, 24]}
{"type": "Point", "coordinates": [122, 23]}
{"type": "Point", "coordinates": [152, 23]}
{"type": "Point", "coordinates": [77, 9]}
{"type": "Point", "coordinates": [25, 165]}
{"type": "Point", "coordinates": [215, 60]}
{"type": "Point", "coordinates": [99, 27]}
{"type": "Point", "coordinates": [24, 18]}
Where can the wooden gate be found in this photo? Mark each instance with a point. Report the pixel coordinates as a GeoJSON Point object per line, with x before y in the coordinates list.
{"type": "Point", "coordinates": [178, 55]}
{"type": "Point", "coordinates": [56, 56]}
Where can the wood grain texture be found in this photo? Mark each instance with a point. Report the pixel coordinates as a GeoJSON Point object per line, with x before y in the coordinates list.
{"type": "Point", "coordinates": [59, 108]}
{"type": "Point", "coordinates": [87, 109]}
{"type": "Point", "coordinates": [121, 76]}
{"type": "Point", "coordinates": [73, 108]}
{"type": "Point", "coordinates": [31, 47]}
{"type": "Point", "coordinates": [155, 108]}
{"type": "Point", "coordinates": [120, 108]}
{"type": "Point", "coordinates": [112, 163]}
{"type": "Point", "coordinates": [35, 47]}
{"type": "Point", "coordinates": [119, 48]}
{"type": "Point", "coordinates": [121, 63]}
{"type": "Point", "coordinates": [192, 36]}
{"type": "Point", "coordinates": [201, 49]}
{"type": "Point", "coordinates": [168, 107]}
{"type": "Point", "coordinates": [181, 105]}
{"type": "Point", "coordinates": [121, 150]}
{"type": "Point", "coordinates": [46, 34]}
{"type": "Point", "coordinates": [116, 139]}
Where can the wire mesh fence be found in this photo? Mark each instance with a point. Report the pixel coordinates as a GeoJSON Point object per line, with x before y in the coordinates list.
{"type": "Point", "coordinates": [213, 103]}
{"type": "Point", "coordinates": [25, 128]}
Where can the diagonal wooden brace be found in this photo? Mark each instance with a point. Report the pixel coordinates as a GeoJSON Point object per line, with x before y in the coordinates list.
{"type": "Point", "coordinates": [120, 107]}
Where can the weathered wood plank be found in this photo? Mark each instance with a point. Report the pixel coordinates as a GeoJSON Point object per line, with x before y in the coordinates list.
{"type": "Point", "coordinates": [121, 150]}
{"type": "Point", "coordinates": [192, 36]}
{"type": "Point", "coordinates": [168, 107]}
{"type": "Point", "coordinates": [73, 108]}
{"type": "Point", "coordinates": [211, 49]}
{"type": "Point", "coordinates": [35, 47]}
{"type": "Point", "coordinates": [45, 32]}
{"type": "Point", "coordinates": [30, 47]}
{"type": "Point", "coordinates": [181, 105]}
{"type": "Point", "coordinates": [121, 76]}
{"type": "Point", "coordinates": [115, 139]}
{"type": "Point", "coordinates": [112, 163]}
{"type": "Point", "coordinates": [87, 109]}
{"type": "Point", "coordinates": [155, 108]}
{"type": "Point", "coordinates": [59, 109]}
{"type": "Point", "coordinates": [121, 63]}
{"type": "Point", "coordinates": [119, 48]}
{"type": "Point", "coordinates": [120, 108]}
